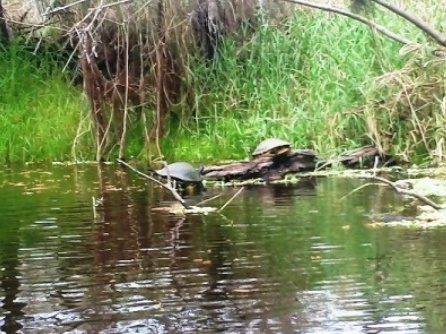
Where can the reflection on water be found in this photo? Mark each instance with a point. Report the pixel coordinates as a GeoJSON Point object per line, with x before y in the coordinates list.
{"type": "Point", "coordinates": [281, 259]}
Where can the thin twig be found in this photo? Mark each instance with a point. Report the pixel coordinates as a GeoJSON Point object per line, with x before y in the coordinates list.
{"type": "Point", "coordinates": [375, 165]}
{"type": "Point", "coordinates": [355, 190]}
{"type": "Point", "coordinates": [63, 8]}
{"type": "Point", "coordinates": [79, 2]}
{"type": "Point", "coordinates": [399, 190]}
{"type": "Point", "coordinates": [383, 30]}
{"type": "Point", "coordinates": [423, 26]}
{"type": "Point", "coordinates": [116, 3]}
{"type": "Point", "coordinates": [72, 55]}
{"type": "Point", "coordinates": [231, 199]}
{"type": "Point", "coordinates": [208, 199]}
{"type": "Point", "coordinates": [94, 207]}
{"type": "Point", "coordinates": [169, 179]}
{"type": "Point", "coordinates": [79, 133]}
{"type": "Point", "coordinates": [33, 25]}
{"type": "Point", "coordinates": [172, 191]}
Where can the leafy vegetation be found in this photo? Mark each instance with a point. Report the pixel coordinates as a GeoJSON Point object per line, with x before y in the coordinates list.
{"type": "Point", "coordinates": [294, 81]}
{"type": "Point", "coordinates": [319, 80]}
{"type": "Point", "coordinates": [39, 110]}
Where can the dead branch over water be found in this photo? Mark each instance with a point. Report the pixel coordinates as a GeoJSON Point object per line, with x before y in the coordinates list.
{"type": "Point", "coordinates": [403, 191]}
{"type": "Point", "coordinates": [165, 186]}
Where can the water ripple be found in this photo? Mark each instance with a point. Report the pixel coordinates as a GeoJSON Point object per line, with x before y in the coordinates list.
{"type": "Point", "coordinates": [279, 261]}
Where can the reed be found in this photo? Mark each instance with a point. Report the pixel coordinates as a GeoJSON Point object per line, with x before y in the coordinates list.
{"type": "Point", "coordinates": [293, 81]}
{"type": "Point", "coordinates": [319, 80]}
{"type": "Point", "coordinates": [39, 109]}
{"type": "Point", "coordinates": [323, 82]}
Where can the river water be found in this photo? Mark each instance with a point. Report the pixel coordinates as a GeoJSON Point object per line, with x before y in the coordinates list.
{"type": "Point", "coordinates": [300, 259]}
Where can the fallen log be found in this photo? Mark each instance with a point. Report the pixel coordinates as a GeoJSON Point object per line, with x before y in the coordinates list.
{"type": "Point", "coordinates": [266, 167]}
{"type": "Point", "coordinates": [271, 168]}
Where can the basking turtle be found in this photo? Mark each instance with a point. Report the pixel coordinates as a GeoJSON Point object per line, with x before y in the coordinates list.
{"type": "Point", "coordinates": [185, 174]}
{"type": "Point", "coordinates": [271, 147]}
{"type": "Point", "coordinates": [180, 171]}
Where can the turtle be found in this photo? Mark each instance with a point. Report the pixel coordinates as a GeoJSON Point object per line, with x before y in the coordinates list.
{"type": "Point", "coordinates": [187, 177]}
{"type": "Point", "coordinates": [272, 147]}
{"type": "Point", "coordinates": [180, 171]}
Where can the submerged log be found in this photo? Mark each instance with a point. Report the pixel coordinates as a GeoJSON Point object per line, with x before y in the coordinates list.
{"type": "Point", "coordinates": [266, 168]}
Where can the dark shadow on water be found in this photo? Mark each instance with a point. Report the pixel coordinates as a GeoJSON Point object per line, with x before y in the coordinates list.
{"type": "Point", "coordinates": [10, 284]}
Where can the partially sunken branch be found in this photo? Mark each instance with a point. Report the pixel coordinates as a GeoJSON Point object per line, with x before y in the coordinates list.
{"type": "Point", "coordinates": [383, 30]}
{"type": "Point", "coordinates": [167, 187]}
{"type": "Point", "coordinates": [402, 191]}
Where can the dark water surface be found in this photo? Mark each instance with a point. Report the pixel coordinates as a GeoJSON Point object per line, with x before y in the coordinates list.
{"type": "Point", "coordinates": [279, 260]}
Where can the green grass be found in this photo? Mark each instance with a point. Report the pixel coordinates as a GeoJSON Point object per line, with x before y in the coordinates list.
{"type": "Point", "coordinates": [39, 111]}
{"type": "Point", "coordinates": [301, 81]}
{"type": "Point", "coordinates": [312, 79]}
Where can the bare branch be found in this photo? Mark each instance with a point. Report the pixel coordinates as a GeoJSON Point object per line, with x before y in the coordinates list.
{"type": "Point", "coordinates": [231, 199]}
{"type": "Point", "coordinates": [399, 190]}
{"type": "Point", "coordinates": [383, 30]}
{"type": "Point", "coordinates": [169, 188]}
{"type": "Point", "coordinates": [79, 2]}
{"type": "Point", "coordinates": [116, 3]}
{"type": "Point", "coordinates": [423, 26]}
{"type": "Point", "coordinates": [57, 10]}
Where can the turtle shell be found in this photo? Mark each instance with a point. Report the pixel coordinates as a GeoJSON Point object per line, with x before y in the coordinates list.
{"type": "Point", "coordinates": [181, 171]}
{"type": "Point", "coordinates": [272, 146]}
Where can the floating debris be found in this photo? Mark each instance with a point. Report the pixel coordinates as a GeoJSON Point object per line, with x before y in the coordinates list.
{"type": "Point", "coordinates": [179, 210]}
{"type": "Point", "coordinates": [426, 186]}
{"type": "Point", "coordinates": [427, 218]}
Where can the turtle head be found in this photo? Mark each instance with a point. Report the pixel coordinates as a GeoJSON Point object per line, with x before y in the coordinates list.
{"type": "Point", "coordinates": [200, 169]}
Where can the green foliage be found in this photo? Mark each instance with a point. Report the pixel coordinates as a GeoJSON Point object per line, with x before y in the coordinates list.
{"type": "Point", "coordinates": [322, 81]}
{"type": "Point", "coordinates": [300, 81]}
{"type": "Point", "coordinates": [39, 111]}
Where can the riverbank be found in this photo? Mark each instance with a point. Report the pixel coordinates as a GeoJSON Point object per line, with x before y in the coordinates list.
{"type": "Point", "coordinates": [323, 82]}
